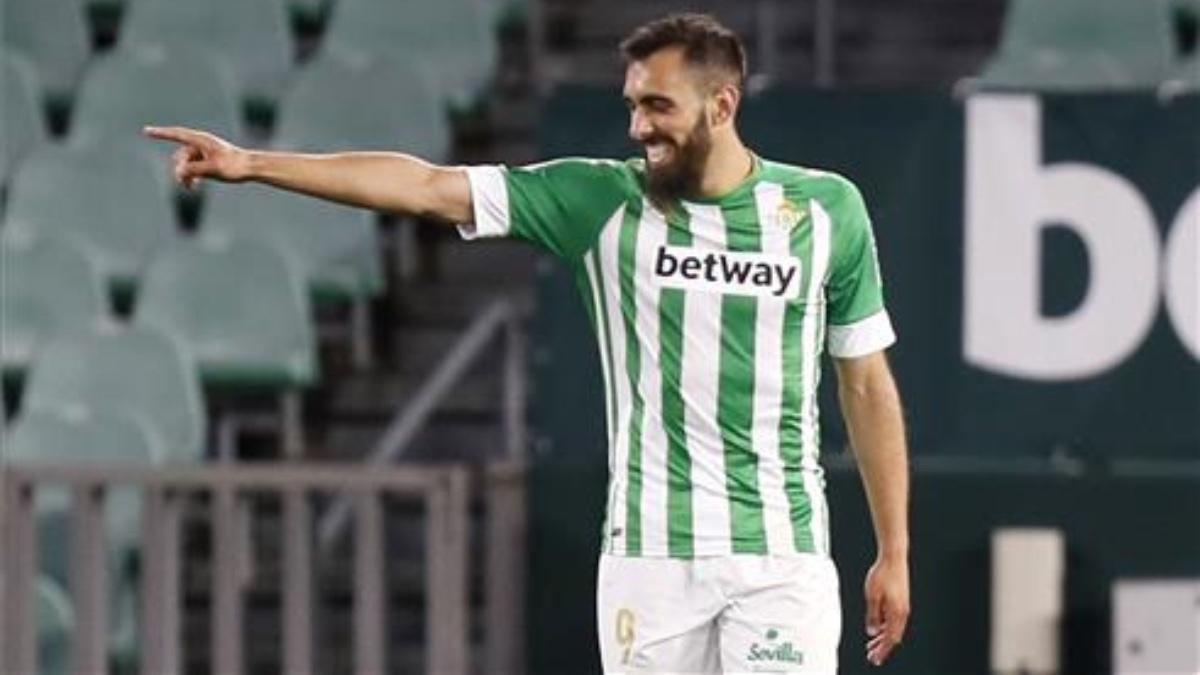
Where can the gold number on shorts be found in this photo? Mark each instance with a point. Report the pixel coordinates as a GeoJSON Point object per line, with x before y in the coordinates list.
{"type": "Point", "coordinates": [625, 626]}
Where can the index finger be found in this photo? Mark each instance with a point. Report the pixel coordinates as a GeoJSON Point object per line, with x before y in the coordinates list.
{"type": "Point", "coordinates": [176, 134]}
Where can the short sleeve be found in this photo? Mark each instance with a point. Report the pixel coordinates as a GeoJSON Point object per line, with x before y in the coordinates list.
{"type": "Point", "coordinates": [858, 321]}
{"type": "Point", "coordinates": [559, 205]}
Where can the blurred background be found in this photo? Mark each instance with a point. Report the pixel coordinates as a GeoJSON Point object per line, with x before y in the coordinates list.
{"type": "Point", "coordinates": [251, 432]}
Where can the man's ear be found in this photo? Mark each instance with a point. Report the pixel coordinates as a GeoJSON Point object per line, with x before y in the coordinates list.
{"type": "Point", "coordinates": [726, 99]}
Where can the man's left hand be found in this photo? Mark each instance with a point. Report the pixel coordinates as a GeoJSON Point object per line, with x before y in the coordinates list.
{"type": "Point", "coordinates": [886, 589]}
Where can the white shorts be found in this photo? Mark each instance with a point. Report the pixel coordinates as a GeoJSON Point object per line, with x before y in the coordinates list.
{"type": "Point", "coordinates": [730, 614]}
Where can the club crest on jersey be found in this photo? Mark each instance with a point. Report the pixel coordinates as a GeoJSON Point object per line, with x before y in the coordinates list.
{"type": "Point", "coordinates": [728, 272]}
{"type": "Point", "coordinates": [789, 214]}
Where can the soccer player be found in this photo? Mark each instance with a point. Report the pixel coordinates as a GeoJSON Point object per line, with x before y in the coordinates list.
{"type": "Point", "coordinates": [714, 279]}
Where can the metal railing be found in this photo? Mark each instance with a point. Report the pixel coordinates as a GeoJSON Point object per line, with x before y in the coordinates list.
{"type": "Point", "coordinates": [501, 319]}
{"type": "Point", "coordinates": [443, 491]}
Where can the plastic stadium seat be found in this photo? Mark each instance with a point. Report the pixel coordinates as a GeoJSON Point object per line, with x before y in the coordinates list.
{"type": "Point", "coordinates": [49, 287]}
{"type": "Point", "coordinates": [55, 625]}
{"type": "Point", "coordinates": [454, 37]}
{"type": "Point", "coordinates": [251, 36]}
{"type": "Point", "coordinates": [240, 307]}
{"type": "Point", "coordinates": [394, 107]}
{"type": "Point", "coordinates": [337, 246]}
{"type": "Point", "coordinates": [109, 198]}
{"type": "Point", "coordinates": [132, 370]}
{"type": "Point", "coordinates": [1184, 78]}
{"type": "Point", "coordinates": [53, 35]}
{"type": "Point", "coordinates": [1082, 44]}
{"type": "Point", "coordinates": [24, 127]}
{"type": "Point", "coordinates": [80, 436]}
{"type": "Point", "coordinates": [130, 89]}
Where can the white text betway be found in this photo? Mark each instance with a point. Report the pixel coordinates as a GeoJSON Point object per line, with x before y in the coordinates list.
{"type": "Point", "coordinates": [756, 274]}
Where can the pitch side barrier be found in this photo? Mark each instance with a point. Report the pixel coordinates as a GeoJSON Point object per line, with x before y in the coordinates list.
{"type": "Point", "coordinates": [444, 492]}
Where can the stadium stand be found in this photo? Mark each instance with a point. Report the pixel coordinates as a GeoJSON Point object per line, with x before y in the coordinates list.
{"type": "Point", "coordinates": [50, 287]}
{"type": "Point", "coordinates": [67, 190]}
{"type": "Point", "coordinates": [251, 37]}
{"type": "Point", "coordinates": [24, 127]}
{"type": "Point", "coordinates": [239, 306]}
{"type": "Point", "coordinates": [1082, 44]}
{"type": "Point", "coordinates": [127, 89]}
{"type": "Point", "coordinates": [133, 370]}
{"type": "Point", "coordinates": [455, 36]}
{"type": "Point", "coordinates": [53, 34]}
{"type": "Point", "coordinates": [394, 105]}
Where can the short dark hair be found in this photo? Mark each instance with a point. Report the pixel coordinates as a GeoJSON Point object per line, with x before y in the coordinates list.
{"type": "Point", "coordinates": [706, 43]}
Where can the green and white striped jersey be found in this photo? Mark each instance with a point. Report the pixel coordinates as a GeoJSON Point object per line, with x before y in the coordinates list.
{"type": "Point", "coordinates": [711, 316]}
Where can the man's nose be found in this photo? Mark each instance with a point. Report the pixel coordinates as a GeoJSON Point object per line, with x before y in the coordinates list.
{"type": "Point", "coordinates": [639, 126]}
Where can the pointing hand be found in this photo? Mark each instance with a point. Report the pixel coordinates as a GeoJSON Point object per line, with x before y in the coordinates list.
{"type": "Point", "coordinates": [202, 155]}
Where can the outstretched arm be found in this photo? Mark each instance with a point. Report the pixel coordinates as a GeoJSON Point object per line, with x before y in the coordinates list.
{"type": "Point", "coordinates": [871, 406]}
{"type": "Point", "coordinates": [382, 181]}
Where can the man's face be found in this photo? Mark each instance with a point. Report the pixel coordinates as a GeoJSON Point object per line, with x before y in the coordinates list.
{"type": "Point", "coordinates": [668, 118]}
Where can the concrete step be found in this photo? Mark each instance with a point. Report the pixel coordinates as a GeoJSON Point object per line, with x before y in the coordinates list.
{"type": "Point", "coordinates": [441, 441]}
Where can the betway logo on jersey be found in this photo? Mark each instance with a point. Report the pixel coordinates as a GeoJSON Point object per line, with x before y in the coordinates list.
{"type": "Point", "coordinates": [735, 273]}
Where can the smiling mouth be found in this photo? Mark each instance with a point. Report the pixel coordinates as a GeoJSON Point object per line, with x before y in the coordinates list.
{"type": "Point", "coordinates": [658, 153]}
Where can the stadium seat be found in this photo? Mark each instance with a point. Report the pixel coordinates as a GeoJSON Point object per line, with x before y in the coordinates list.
{"type": "Point", "coordinates": [80, 436]}
{"type": "Point", "coordinates": [55, 625]}
{"type": "Point", "coordinates": [132, 370]}
{"type": "Point", "coordinates": [49, 287]}
{"type": "Point", "coordinates": [1081, 45]}
{"type": "Point", "coordinates": [337, 246]}
{"type": "Point", "coordinates": [130, 89]}
{"type": "Point", "coordinates": [108, 197]}
{"type": "Point", "coordinates": [24, 127]}
{"type": "Point", "coordinates": [53, 35]}
{"type": "Point", "coordinates": [452, 37]}
{"type": "Point", "coordinates": [252, 37]}
{"type": "Point", "coordinates": [240, 306]}
{"type": "Point", "coordinates": [394, 107]}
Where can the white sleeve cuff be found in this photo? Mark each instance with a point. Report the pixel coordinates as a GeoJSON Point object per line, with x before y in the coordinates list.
{"type": "Point", "coordinates": [862, 337]}
{"type": "Point", "coordinates": [489, 203]}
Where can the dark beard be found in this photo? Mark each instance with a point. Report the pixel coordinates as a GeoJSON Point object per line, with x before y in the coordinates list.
{"type": "Point", "coordinates": [681, 178]}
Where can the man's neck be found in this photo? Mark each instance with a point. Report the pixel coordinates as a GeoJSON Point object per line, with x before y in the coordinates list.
{"type": "Point", "coordinates": [729, 163]}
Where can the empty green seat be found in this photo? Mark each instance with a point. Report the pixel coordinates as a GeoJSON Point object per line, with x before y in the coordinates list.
{"type": "Point", "coordinates": [82, 436]}
{"type": "Point", "coordinates": [79, 435]}
{"type": "Point", "coordinates": [108, 197]}
{"type": "Point", "coordinates": [453, 37]}
{"type": "Point", "coordinates": [339, 103]}
{"type": "Point", "coordinates": [131, 88]}
{"type": "Point", "coordinates": [49, 287]}
{"type": "Point", "coordinates": [55, 625]}
{"type": "Point", "coordinates": [1082, 45]}
{"type": "Point", "coordinates": [24, 127]}
{"type": "Point", "coordinates": [239, 305]}
{"type": "Point", "coordinates": [53, 35]}
{"type": "Point", "coordinates": [136, 371]}
{"type": "Point", "coordinates": [251, 36]}
{"type": "Point", "coordinates": [337, 246]}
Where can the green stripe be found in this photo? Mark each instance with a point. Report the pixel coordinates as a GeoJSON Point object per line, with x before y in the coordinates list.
{"type": "Point", "coordinates": [600, 324]}
{"type": "Point", "coordinates": [626, 267]}
{"type": "Point", "coordinates": [790, 422]}
{"type": "Point", "coordinates": [680, 533]}
{"type": "Point", "coordinates": [735, 397]}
